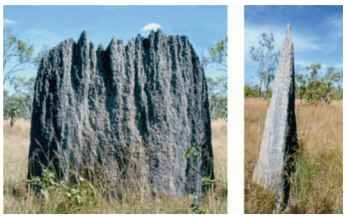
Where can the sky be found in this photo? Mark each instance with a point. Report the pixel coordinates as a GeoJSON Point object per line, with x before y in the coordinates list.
{"type": "Point", "coordinates": [46, 26]}
{"type": "Point", "coordinates": [317, 34]}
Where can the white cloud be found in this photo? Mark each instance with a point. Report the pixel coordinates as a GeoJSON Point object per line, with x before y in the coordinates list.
{"type": "Point", "coordinates": [151, 26]}
{"type": "Point", "coordinates": [9, 22]}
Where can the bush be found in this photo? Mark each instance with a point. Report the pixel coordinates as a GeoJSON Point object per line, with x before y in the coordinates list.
{"type": "Point", "coordinates": [315, 88]}
{"type": "Point", "coordinates": [74, 196]}
{"type": "Point", "coordinates": [218, 106]}
{"type": "Point", "coordinates": [217, 93]}
{"type": "Point", "coordinates": [251, 91]}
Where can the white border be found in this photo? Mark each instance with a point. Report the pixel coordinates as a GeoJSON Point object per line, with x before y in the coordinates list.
{"type": "Point", "coordinates": [235, 82]}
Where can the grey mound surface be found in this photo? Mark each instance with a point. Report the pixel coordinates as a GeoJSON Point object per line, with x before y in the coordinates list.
{"type": "Point", "coordinates": [136, 110]}
{"type": "Point", "coordinates": [279, 142]}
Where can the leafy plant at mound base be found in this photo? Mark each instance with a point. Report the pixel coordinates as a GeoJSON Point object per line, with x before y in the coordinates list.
{"type": "Point", "coordinates": [44, 184]}
{"type": "Point", "coordinates": [193, 153]}
{"type": "Point", "coordinates": [75, 196]}
{"type": "Point", "coordinates": [208, 182]}
{"type": "Point", "coordinates": [81, 194]}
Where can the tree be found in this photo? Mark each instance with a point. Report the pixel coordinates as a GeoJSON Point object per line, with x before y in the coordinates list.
{"type": "Point", "coordinates": [251, 90]}
{"type": "Point", "coordinates": [313, 69]}
{"type": "Point", "coordinates": [217, 86]}
{"type": "Point", "coordinates": [267, 58]}
{"type": "Point", "coordinates": [315, 87]}
{"type": "Point", "coordinates": [301, 85]}
{"type": "Point", "coordinates": [24, 88]}
{"type": "Point", "coordinates": [334, 78]}
{"type": "Point", "coordinates": [17, 56]}
{"type": "Point", "coordinates": [18, 89]}
{"type": "Point", "coordinates": [12, 109]}
{"type": "Point", "coordinates": [217, 55]}
{"type": "Point", "coordinates": [19, 102]}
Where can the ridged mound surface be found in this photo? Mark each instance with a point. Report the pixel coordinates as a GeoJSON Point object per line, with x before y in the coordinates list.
{"type": "Point", "coordinates": [138, 109]}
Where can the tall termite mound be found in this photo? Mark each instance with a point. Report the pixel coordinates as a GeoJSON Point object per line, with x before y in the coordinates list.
{"type": "Point", "coordinates": [279, 143]}
{"type": "Point", "coordinates": [138, 108]}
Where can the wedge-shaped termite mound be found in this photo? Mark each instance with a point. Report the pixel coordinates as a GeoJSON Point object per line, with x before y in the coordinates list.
{"type": "Point", "coordinates": [136, 111]}
{"type": "Point", "coordinates": [279, 142]}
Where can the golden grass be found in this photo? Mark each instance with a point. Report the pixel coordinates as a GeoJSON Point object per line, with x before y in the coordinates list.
{"type": "Point", "coordinates": [18, 200]}
{"type": "Point", "coordinates": [317, 182]}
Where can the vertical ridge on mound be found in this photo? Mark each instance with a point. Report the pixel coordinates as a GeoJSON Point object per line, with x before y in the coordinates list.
{"type": "Point", "coordinates": [279, 141]}
{"type": "Point", "coordinates": [138, 111]}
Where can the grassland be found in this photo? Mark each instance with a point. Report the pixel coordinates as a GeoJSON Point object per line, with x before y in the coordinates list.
{"type": "Point", "coordinates": [17, 199]}
{"type": "Point", "coordinates": [317, 183]}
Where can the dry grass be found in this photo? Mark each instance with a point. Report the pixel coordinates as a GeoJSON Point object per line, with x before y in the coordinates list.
{"type": "Point", "coordinates": [317, 183]}
{"type": "Point", "coordinates": [18, 200]}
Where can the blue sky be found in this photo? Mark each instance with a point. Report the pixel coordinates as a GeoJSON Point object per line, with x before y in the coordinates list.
{"type": "Point", "coordinates": [48, 25]}
{"type": "Point", "coordinates": [317, 33]}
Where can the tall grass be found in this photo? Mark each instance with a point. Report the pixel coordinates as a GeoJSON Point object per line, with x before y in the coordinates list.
{"type": "Point", "coordinates": [317, 183]}
{"type": "Point", "coordinates": [17, 199]}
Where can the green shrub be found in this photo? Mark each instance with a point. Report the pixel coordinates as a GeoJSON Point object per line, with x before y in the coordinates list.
{"type": "Point", "coordinates": [73, 197]}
